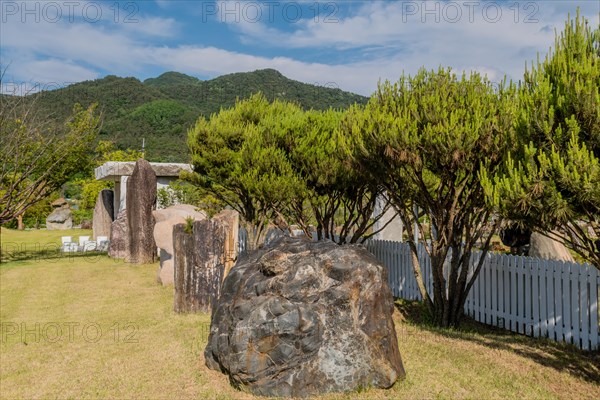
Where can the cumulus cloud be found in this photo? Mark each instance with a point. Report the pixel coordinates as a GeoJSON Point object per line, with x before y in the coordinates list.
{"type": "Point", "coordinates": [373, 41]}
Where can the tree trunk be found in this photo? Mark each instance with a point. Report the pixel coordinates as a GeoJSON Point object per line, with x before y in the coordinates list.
{"type": "Point", "coordinates": [255, 235]}
{"type": "Point", "coordinates": [449, 300]}
{"type": "Point", "coordinates": [199, 265]}
{"type": "Point", "coordinates": [20, 225]}
{"type": "Point", "coordinates": [448, 312]}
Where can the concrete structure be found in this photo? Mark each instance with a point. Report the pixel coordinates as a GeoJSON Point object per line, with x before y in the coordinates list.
{"type": "Point", "coordinates": [394, 230]}
{"type": "Point", "coordinates": [119, 172]}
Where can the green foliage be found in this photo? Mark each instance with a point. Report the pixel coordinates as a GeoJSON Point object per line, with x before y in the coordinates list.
{"type": "Point", "coordinates": [189, 225]}
{"type": "Point", "coordinates": [161, 116]}
{"type": "Point", "coordinates": [162, 109]}
{"type": "Point", "coordinates": [90, 188]}
{"type": "Point", "coordinates": [39, 157]}
{"type": "Point", "coordinates": [236, 158]}
{"type": "Point", "coordinates": [107, 151]}
{"type": "Point", "coordinates": [72, 190]}
{"type": "Point", "coordinates": [182, 192]}
{"type": "Point", "coordinates": [276, 163]}
{"type": "Point", "coordinates": [425, 139]}
{"type": "Point", "coordinates": [341, 198]}
{"type": "Point", "coordinates": [171, 78]}
{"type": "Point", "coordinates": [553, 183]}
{"type": "Point", "coordinates": [35, 216]}
{"type": "Point", "coordinates": [81, 215]}
{"type": "Point", "coordinates": [87, 188]}
{"type": "Point", "coordinates": [164, 198]}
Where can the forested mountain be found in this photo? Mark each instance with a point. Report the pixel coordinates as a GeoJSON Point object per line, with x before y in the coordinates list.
{"type": "Point", "coordinates": [162, 109]}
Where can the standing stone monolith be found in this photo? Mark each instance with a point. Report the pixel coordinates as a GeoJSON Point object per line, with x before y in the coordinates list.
{"type": "Point", "coordinates": [198, 249]}
{"type": "Point", "coordinates": [103, 214]}
{"type": "Point", "coordinates": [165, 220]}
{"type": "Point", "coordinates": [141, 200]}
{"type": "Point", "coordinates": [119, 237]}
{"type": "Point", "coordinates": [541, 246]}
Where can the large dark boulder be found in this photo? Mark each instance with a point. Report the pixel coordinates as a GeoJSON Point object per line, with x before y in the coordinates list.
{"type": "Point", "coordinates": [141, 200]}
{"type": "Point", "coordinates": [301, 318]}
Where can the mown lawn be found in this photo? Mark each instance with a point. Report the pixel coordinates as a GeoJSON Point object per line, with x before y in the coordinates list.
{"type": "Point", "coordinates": [91, 327]}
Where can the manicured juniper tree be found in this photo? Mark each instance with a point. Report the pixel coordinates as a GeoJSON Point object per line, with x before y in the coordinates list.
{"type": "Point", "coordinates": [553, 183]}
{"type": "Point", "coordinates": [425, 139]}
{"type": "Point", "coordinates": [277, 164]}
{"type": "Point", "coordinates": [236, 156]}
{"type": "Point", "coordinates": [341, 200]}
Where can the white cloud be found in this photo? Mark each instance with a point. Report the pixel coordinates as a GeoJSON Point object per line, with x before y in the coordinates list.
{"type": "Point", "coordinates": [376, 41]}
{"type": "Point", "coordinates": [44, 75]}
{"type": "Point", "coordinates": [498, 37]}
{"type": "Point", "coordinates": [152, 26]}
{"type": "Point", "coordinates": [163, 3]}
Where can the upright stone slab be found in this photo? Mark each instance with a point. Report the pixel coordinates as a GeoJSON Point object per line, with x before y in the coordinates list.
{"type": "Point", "coordinates": [231, 222]}
{"type": "Point", "coordinates": [141, 200]}
{"type": "Point", "coordinates": [541, 246]}
{"type": "Point", "coordinates": [166, 219]}
{"type": "Point", "coordinates": [119, 237]}
{"type": "Point", "coordinates": [199, 265]}
{"type": "Point", "coordinates": [103, 213]}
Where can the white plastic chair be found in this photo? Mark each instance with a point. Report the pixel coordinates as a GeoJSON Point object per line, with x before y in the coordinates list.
{"type": "Point", "coordinates": [90, 245]}
{"type": "Point", "coordinates": [66, 243]}
{"type": "Point", "coordinates": [83, 239]}
{"type": "Point", "coordinates": [101, 239]}
{"type": "Point", "coordinates": [72, 247]}
{"type": "Point", "coordinates": [102, 243]}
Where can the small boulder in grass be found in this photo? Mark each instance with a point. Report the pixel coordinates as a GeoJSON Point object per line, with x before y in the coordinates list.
{"type": "Point", "coordinates": [301, 318]}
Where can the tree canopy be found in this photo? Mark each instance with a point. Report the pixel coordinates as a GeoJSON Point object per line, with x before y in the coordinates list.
{"type": "Point", "coordinates": [37, 156]}
{"type": "Point", "coordinates": [426, 139]}
{"type": "Point", "coordinates": [276, 163]}
{"type": "Point", "coordinates": [552, 184]}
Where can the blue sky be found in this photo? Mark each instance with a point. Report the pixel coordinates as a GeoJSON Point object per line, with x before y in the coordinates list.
{"type": "Point", "coordinates": [350, 44]}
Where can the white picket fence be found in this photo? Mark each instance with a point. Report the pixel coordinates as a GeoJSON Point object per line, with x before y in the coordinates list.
{"type": "Point", "coordinates": [536, 297]}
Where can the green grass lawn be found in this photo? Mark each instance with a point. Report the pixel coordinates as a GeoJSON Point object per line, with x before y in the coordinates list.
{"type": "Point", "coordinates": [91, 327]}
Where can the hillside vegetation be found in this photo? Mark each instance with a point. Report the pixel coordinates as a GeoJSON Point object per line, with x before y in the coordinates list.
{"type": "Point", "coordinates": [162, 109]}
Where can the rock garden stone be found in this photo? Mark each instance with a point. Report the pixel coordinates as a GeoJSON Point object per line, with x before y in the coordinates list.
{"type": "Point", "coordinates": [301, 318]}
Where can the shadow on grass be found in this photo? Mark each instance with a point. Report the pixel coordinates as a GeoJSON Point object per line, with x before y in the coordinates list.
{"type": "Point", "coordinates": [49, 253]}
{"type": "Point", "coordinates": [560, 356]}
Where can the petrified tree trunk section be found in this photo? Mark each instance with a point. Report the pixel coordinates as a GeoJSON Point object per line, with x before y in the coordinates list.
{"type": "Point", "coordinates": [199, 265]}
{"type": "Point", "coordinates": [141, 198]}
{"type": "Point", "coordinates": [231, 221]}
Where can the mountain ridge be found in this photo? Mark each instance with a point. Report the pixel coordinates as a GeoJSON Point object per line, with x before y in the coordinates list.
{"type": "Point", "coordinates": [162, 109]}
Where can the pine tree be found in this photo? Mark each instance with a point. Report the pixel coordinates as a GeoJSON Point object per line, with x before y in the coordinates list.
{"type": "Point", "coordinates": [553, 184]}
{"type": "Point", "coordinates": [425, 139]}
